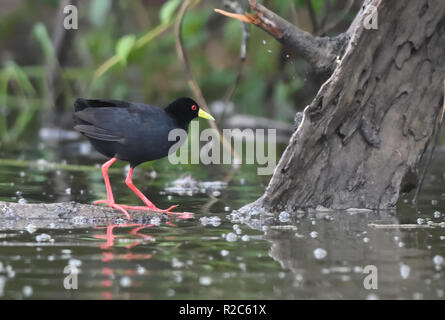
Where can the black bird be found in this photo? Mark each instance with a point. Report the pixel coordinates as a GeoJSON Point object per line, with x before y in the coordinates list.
{"type": "Point", "coordinates": [133, 132]}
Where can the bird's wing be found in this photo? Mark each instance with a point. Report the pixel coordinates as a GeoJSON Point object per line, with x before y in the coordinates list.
{"type": "Point", "coordinates": [81, 104]}
{"type": "Point", "coordinates": [98, 133]}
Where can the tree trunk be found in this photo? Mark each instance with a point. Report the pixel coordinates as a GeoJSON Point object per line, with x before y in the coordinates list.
{"type": "Point", "coordinates": [365, 135]}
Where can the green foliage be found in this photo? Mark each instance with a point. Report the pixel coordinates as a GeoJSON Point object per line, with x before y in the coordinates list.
{"type": "Point", "coordinates": [15, 117]}
{"type": "Point", "coordinates": [167, 10]}
{"type": "Point", "coordinates": [98, 12]}
{"type": "Point", "coordinates": [41, 33]}
{"type": "Point", "coordinates": [124, 50]}
{"type": "Point", "coordinates": [124, 46]}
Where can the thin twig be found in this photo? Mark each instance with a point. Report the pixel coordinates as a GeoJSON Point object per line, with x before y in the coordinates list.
{"type": "Point", "coordinates": [235, 6]}
{"type": "Point", "coordinates": [431, 152]}
{"type": "Point", "coordinates": [197, 93]}
{"type": "Point", "coordinates": [312, 16]}
{"type": "Point", "coordinates": [293, 10]}
{"type": "Point", "coordinates": [334, 23]}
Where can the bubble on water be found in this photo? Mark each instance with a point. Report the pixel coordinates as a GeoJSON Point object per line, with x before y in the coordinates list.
{"type": "Point", "coordinates": [177, 276]}
{"type": "Point", "coordinates": [216, 193]}
{"type": "Point", "coordinates": [372, 296]}
{"type": "Point", "coordinates": [224, 252]}
{"type": "Point", "coordinates": [170, 292]}
{"type": "Point", "coordinates": [242, 181]}
{"type": "Point", "coordinates": [152, 174]}
{"type": "Point", "coordinates": [27, 291]}
{"type": "Point", "coordinates": [226, 209]}
{"type": "Point", "coordinates": [320, 253]}
{"type": "Point", "coordinates": [405, 271]}
{"type": "Point", "coordinates": [438, 260]}
{"type": "Point", "coordinates": [22, 201]}
{"type": "Point", "coordinates": [420, 221]}
{"type": "Point", "coordinates": [269, 51]}
{"type": "Point", "coordinates": [22, 174]}
{"type": "Point", "coordinates": [169, 197]}
{"type": "Point", "coordinates": [284, 216]}
{"type": "Point", "coordinates": [245, 238]}
{"type": "Point", "coordinates": [140, 269]}
{"type": "Point", "coordinates": [10, 271]}
{"type": "Point", "coordinates": [264, 42]}
{"type": "Point", "coordinates": [314, 234]}
{"type": "Point", "coordinates": [176, 263]}
{"type": "Point", "coordinates": [365, 239]}
{"type": "Point", "coordinates": [238, 231]}
{"type": "Point", "coordinates": [205, 281]}
{"type": "Point", "coordinates": [436, 214]}
{"type": "Point", "coordinates": [213, 221]}
{"type": "Point", "coordinates": [442, 237]}
{"type": "Point", "coordinates": [43, 237]}
{"type": "Point", "coordinates": [434, 202]}
{"type": "Point", "coordinates": [31, 228]}
{"type": "Point", "coordinates": [417, 296]}
{"type": "Point", "coordinates": [74, 263]}
{"type": "Point", "coordinates": [358, 269]}
{"type": "Point", "coordinates": [401, 244]}
{"type": "Point", "coordinates": [66, 251]}
{"type": "Point", "coordinates": [231, 237]}
{"type": "Point", "coordinates": [68, 190]}
{"type": "Point", "coordinates": [2, 286]}
{"type": "Point", "coordinates": [125, 282]}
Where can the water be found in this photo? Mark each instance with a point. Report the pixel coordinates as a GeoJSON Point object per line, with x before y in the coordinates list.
{"type": "Point", "coordinates": [216, 254]}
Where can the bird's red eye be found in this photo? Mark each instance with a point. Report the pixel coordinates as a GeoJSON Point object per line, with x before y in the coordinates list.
{"type": "Point", "coordinates": [194, 108]}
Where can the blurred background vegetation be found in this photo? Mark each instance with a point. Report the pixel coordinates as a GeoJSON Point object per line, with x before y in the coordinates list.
{"type": "Point", "coordinates": [126, 50]}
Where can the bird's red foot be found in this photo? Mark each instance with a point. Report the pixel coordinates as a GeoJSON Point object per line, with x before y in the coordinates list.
{"type": "Point", "coordinates": [114, 206]}
{"type": "Point", "coordinates": [124, 208]}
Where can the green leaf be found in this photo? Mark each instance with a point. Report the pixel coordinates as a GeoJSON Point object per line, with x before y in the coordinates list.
{"type": "Point", "coordinates": [98, 12]}
{"type": "Point", "coordinates": [124, 46]}
{"type": "Point", "coordinates": [41, 33]}
{"type": "Point", "coordinates": [167, 10]}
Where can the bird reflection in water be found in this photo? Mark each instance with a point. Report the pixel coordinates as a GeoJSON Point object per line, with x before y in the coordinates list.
{"type": "Point", "coordinates": [109, 256]}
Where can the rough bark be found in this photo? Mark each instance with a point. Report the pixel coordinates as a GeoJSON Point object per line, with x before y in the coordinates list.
{"type": "Point", "coordinates": [365, 134]}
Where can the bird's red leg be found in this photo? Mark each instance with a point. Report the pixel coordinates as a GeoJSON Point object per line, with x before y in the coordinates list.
{"type": "Point", "coordinates": [148, 203]}
{"type": "Point", "coordinates": [110, 198]}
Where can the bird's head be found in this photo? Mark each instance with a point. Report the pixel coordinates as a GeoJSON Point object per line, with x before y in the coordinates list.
{"type": "Point", "coordinates": [186, 109]}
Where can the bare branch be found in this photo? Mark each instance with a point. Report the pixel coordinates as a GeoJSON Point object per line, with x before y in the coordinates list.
{"type": "Point", "coordinates": [320, 52]}
{"type": "Point", "coordinates": [331, 25]}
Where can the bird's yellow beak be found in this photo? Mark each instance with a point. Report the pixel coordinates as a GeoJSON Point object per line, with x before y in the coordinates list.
{"type": "Point", "coordinates": [205, 115]}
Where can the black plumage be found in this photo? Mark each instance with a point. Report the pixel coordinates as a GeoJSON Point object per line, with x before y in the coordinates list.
{"type": "Point", "coordinates": [133, 132]}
